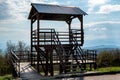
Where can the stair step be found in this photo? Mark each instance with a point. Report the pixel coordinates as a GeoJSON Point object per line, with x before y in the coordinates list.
{"type": "Point", "coordinates": [74, 65]}
{"type": "Point", "coordinates": [74, 69]}
{"type": "Point", "coordinates": [67, 65]}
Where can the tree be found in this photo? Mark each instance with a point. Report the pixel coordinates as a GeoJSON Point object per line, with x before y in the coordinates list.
{"type": "Point", "coordinates": [21, 46]}
{"type": "Point", "coordinates": [10, 47]}
{"type": "Point", "coordinates": [4, 66]}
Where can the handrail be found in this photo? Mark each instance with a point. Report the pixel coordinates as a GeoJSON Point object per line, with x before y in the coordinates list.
{"type": "Point", "coordinates": [74, 40]}
{"type": "Point", "coordinates": [15, 62]}
{"type": "Point", "coordinates": [59, 43]}
{"type": "Point", "coordinates": [84, 54]}
{"type": "Point", "coordinates": [12, 52]}
{"type": "Point", "coordinates": [61, 57]}
{"type": "Point", "coordinates": [16, 58]}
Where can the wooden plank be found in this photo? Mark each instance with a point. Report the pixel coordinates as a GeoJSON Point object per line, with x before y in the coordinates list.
{"type": "Point", "coordinates": [27, 72]}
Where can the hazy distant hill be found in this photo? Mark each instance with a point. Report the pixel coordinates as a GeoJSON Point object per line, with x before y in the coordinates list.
{"type": "Point", "coordinates": [103, 47]}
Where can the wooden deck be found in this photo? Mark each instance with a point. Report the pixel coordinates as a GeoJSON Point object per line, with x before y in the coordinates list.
{"type": "Point", "coordinates": [27, 72]}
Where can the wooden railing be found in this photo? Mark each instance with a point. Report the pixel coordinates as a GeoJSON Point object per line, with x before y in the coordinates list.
{"type": "Point", "coordinates": [17, 57]}
{"type": "Point", "coordinates": [24, 56]}
{"type": "Point", "coordinates": [47, 36]}
{"type": "Point", "coordinates": [15, 62]}
{"type": "Point", "coordinates": [91, 55]}
{"type": "Point", "coordinates": [77, 35]}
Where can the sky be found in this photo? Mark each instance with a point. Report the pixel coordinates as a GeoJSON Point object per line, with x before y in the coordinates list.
{"type": "Point", "coordinates": [101, 25]}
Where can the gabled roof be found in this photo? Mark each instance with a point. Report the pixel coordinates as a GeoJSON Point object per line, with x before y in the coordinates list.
{"type": "Point", "coordinates": [49, 12]}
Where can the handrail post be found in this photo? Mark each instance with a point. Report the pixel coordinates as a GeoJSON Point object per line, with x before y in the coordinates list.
{"type": "Point", "coordinates": [19, 66]}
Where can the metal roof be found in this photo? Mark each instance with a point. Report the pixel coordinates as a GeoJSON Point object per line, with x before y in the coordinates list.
{"type": "Point", "coordinates": [57, 10]}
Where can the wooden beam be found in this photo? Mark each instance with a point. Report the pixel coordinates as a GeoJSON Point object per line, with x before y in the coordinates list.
{"type": "Point", "coordinates": [34, 14]}
{"type": "Point", "coordinates": [38, 54]}
{"type": "Point", "coordinates": [31, 41]}
{"type": "Point", "coordinates": [51, 63]}
{"type": "Point", "coordinates": [69, 28]}
{"type": "Point", "coordinates": [82, 30]}
{"type": "Point", "coordinates": [34, 20]}
{"type": "Point", "coordinates": [47, 58]}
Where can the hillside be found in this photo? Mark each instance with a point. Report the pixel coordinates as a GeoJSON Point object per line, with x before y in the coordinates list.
{"type": "Point", "coordinates": [103, 47]}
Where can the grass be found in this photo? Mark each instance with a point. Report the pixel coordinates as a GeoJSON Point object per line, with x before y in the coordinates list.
{"type": "Point", "coordinates": [108, 69]}
{"type": "Point", "coordinates": [6, 77]}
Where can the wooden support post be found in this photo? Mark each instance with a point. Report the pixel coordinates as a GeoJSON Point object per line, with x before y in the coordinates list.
{"type": "Point", "coordinates": [90, 67]}
{"type": "Point", "coordinates": [51, 62]}
{"type": "Point", "coordinates": [95, 65]}
{"type": "Point", "coordinates": [95, 56]}
{"type": "Point", "coordinates": [70, 41]}
{"type": "Point", "coordinates": [31, 41]}
{"type": "Point", "coordinates": [60, 69]}
{"type": "Point", "coordinates": [85, 66]}
{"type": "Point", "coordinates": [46, 65]}
{"type": "Point", "coordinates": [81, 27]}
{"type": "Point", "coordinates": [69, 27]}
{"type": "Point", "coordinates": [14, 74]}
{"type": "Point", "coordinates": [31, 38]}
{"type": "Point", "coordinates": [38, 53]}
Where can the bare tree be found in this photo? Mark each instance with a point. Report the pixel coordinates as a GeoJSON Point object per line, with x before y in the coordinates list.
{"type": "Point", "coordinates": [10, 46]}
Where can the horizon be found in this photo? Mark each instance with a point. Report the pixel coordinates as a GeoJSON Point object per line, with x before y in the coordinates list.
{"type": "Point", "coordinates": [101, 25]}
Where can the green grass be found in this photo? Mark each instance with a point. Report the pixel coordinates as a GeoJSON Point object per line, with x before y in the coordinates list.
{"type": "Point", "coordinates": [6, 77]}
{"type": "Point", "coordinates": [108, 69]}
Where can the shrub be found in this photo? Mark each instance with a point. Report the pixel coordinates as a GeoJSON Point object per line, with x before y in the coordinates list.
{"type": "Point", "coordinates": [4, 65]}
{"type": "Point", "coordinates": [108, 58]}
{"type": "Point", "coordinates": [116, 61]}
{"type": "Point", "coordinates": [105, 59]}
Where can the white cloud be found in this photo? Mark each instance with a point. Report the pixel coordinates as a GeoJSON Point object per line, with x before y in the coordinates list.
{"type": "Point", "coordinates": [97, 29]}
{"type": "Point", "coordinates": [19, 9]}
{"type": "Point", "coordinates": [109, 8]}
{"type": "Point", "coordinates": [95, 36]}
{"type": "Point", "coordinates": [93, 3]}
{"type": "Point", "coordinates": [102, 22]}
{"type": "Point", "coordinates": [1, 1]}
{"type": "Point", "coordinates": [7, 30]}
{"type": "Point", "coordinates": [54, 2]}
{"type": "Point", "coordinates": [97, 2]}
{"type": "Point", "coordinates": [101, 30]}
{"type": "Point", "coordinates": [37, 1]}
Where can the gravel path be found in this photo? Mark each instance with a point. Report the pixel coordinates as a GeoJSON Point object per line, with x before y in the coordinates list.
{"type": "Point", "coordinates": [103, 77]}
{"type": "Point", "coordinates": [99, 77]}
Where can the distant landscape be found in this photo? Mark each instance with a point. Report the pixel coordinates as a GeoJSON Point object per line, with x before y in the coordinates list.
{"type": "Point", "coordinates": [101, 48]}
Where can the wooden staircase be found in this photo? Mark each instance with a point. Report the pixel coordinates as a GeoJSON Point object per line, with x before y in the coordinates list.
{"type": "Point", "coordinates": [71, 57]}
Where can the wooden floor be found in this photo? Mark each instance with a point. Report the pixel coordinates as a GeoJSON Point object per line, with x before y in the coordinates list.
{"type": "Point", "coordinates": [27, 72]}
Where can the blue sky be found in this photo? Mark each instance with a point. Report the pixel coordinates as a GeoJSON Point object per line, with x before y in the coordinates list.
{"type": "Point", "coordinates": [101, 25]}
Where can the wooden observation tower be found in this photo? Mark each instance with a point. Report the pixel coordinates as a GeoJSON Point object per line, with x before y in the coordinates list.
{"type": "Point", "coordinates": [53, 51]}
